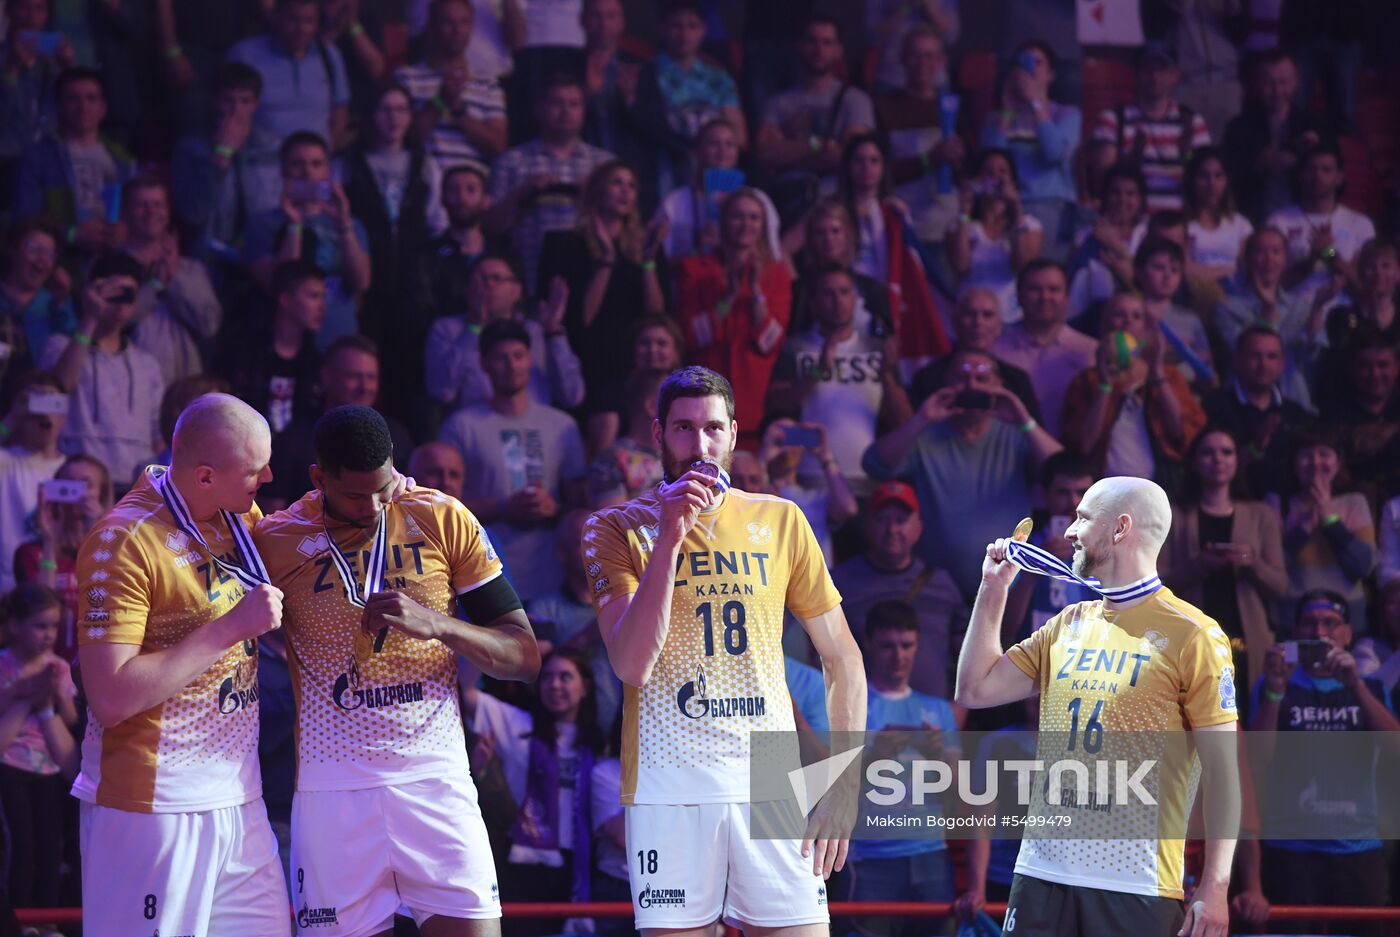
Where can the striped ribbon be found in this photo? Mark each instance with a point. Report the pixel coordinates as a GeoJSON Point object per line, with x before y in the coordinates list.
{"type": "Point", "coordinates": [374, 566]}
{"type": "Point", "coordinates": [249, 570]}
{"type": "Point", "coordinates": [1034, 559]}
{"type": "Point", "coordinates": [715, 471]}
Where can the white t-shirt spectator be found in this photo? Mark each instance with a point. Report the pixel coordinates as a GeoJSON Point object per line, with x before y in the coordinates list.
{"type": "Point", "coordinates": [991, 266]}
{"type": "Point", "coordinates": [847, 400]}
{"type": "Point", "coordinates": [21, 473]}
{"type": "Point", "coordinates": [1219, 247]}
{"type": "Point", "coordinates": [609, 857]}
{"type": "Point", "coordinates": [553, 23]}
{"type": "Point", "coordinates": [1350, 230]}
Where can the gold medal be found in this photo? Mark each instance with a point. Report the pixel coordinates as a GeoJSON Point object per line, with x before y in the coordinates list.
{"type": "Point", "coordinates": [364, 645]}
{"type": "Point", "coordinates": [1023, 530]}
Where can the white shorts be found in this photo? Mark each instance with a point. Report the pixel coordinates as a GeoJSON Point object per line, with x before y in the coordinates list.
{"type": "Point", "coordinates": [691, 864]}
{"type": "Point", "coordinates": [202, 874]}
{"type": "Point", "coordinates": [358, 856]}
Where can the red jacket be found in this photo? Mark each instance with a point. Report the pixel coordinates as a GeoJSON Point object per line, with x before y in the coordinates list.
{"type": "Point", "coordinates": [728, 340]}
{"type": "Point", "coordinates": [916, 318]}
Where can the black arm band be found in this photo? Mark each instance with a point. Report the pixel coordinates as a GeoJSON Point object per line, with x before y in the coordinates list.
{"type": "Point", "coordinates": [486, 603]}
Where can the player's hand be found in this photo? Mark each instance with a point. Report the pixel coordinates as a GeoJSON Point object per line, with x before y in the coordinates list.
{"type": "Point", "coordinates": [1251, 906]}
{"type": "Point", "coordinates": [398, 611]}
{"type": "Point", "coordinates": [400, 486]}
{"type": "Point", "coordinates": [681, 504]}
{"type": "Point", "coordinates": [1208, 914]}
{"type": "Point", "coordinates": [829, 827]}
{"type": "Point", "coordinates": [997, 570]}
{"type": "Point", "coordinates": [969, 903]}
{"type": "Point", "coordinates": [258, 612]}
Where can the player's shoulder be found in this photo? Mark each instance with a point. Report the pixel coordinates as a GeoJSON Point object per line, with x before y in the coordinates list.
{"type": "Point", "coordinates": [293, 520]}
{"type": "Point", "coordinates": [139, 517]}
{"type": "Point", "coordinates": [1178, 620]}
{"type": "Point", "coordinates": [753, 502]}
{"type": "Point", "coordinates": [1069, 619]}
{"type": "Point", "coordinates": [431, 510]}
{"type": "Point", "coordinates": [633, 514]}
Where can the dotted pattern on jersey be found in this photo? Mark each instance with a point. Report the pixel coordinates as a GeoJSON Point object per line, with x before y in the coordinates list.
{"type": "Point", "coordinates": [142, 581]}
{"type": "Point", "coordinates": [1140, 666]}
{"type": "Point", "coordinates": [738, 569]}
{"type": "Point", "coordinates": [365, 716]}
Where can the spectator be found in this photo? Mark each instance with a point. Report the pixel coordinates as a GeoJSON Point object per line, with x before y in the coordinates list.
{"type": "Point", "coordinates": [438, 465]}
{"type": "Point", "coordinates": [748, 473]}
{"type": "Point", "coordinates": [51, 559]}
{"type": "Point", "coordinates": [977, 324]}
{"type": "Point", "coordinates": [34, 301]}
{"type": "Point", "coordinates": [40, 757]}
{"type": "Point", "coordinates": [220, 179]}
{"type": "Point", "coordinates": [305, 86]}
{"type": "Point", "coordinates": [804, 129]}
{"type": "Point", "coordinates": [173, 402]}
{"type": "Point", "coordinates": [891, 24]}
{"type": "Point", "coordinates": [395, 190]}
{"type": "Point", "coordinates": [549, 45]}
{"type": "Point", "coordinates": [276, 373]}
{"type": "Point", "coordinates": [1251, 407]}
{"type": "Point", "coordinates": [534, 185]}
{"type": "Point", "coordinates": [888, 571]}
{"type": "Point", "coordinates": [460, 117]}
{"type": "Point", "coordinates": [1323, 235]}
{"type": "Point", "coordinates": [349, 376]}
{"type": "Point", "coordinates": [835, 376]}
{"type": "Point", "coordinates": [498, 29]}
{"type": "Point", "coordinates": [887, 250]}
{"type": "Point", "coordinates": [1041, 344]}
{"type": "Point", "coordinates": [626, 114]}
{"type": "Point", "coordinates": [1367, 415]}
{"type": "Point", "coordinates": [734, 304]}
{"type": "Point", "coordinates": [31, 430]}
{"type": "Point", "coordinates": [193, 41]}
{"type": "Point", "coordinates": [355, 30]}
{"type": "Point", "coordinates": [1216, 231]}
{"type": "Point", "coordinates": [1371, 315]}
{"type": "Point", "coordinates": [610, 270]}
{"type": "Point", "coordinates": [523, 459]}
{"type": "Point", "coordinates": [177, 312]}
{"type": "Point", "coordinates": [692, 211]}
{"type": "Point", "coordinates": [829, 237]}
{"type": "Point", "coordinates": [631, 464]}
{"type": "Point", "coordinates": [657, 345]}
{"type": "Point", "coordinates": [910, 118]}
{"type": "Point", "coordinates": [314, 222]}
{"type": "Point", "coordinates": [1329, 538]}
{"type": "Point", "coordinates": [30, 67]}
{"type": "Point", "coordinates": [1327, 40]}
{"type": "Point", "coordinates": [998, 238]}
{"type": "Point", "coordinates": [1042, 137]}
{"type": "Point", "coordinates": [1224, 553]}
{"type": "Point", "coordinates": [1156, 133]}
{"type": "Point", "coordinates": [1265, 142]}
{"type": "Point", "coordinates": [115, 386]}
{"type": "Point", "coordinates": [971, 460]}
{"type": "Point", "coordinates": [74, 174]}
{"type": "Point", "coordinates": [911, 725]}
{"type": "Point", "coordinates": [1102, 261]}
{"type": "Point", "coordinates": [611, 868]}
{"type": "Point", "coordinates": [1205, 36]}
{"type": "Point", "coordinates": [1328, 695]}
{"type": "Point", "coordinates": [1376, 653]}
{"type": "Point", "coordinates": [809, 476]}
{"type": "Point", "coordinates": [1131, 413]}
{"type": "Point", "coordinates": [447, 261]}
{"type": "Point", "coordinates": [1257, 297]}
{"type": "Point", "coordinates": [1199, 292]}
{"type": "Point", "coordinates": [453, 373]}
{"type": "Point", "coordinates": [693, 92]}
{"type": "Point", "coordinates": [1034, 600]}
{"type": "Point", "coordinates": [1158, 270]}
{"type": "Point", "coordinates": [548, 755]}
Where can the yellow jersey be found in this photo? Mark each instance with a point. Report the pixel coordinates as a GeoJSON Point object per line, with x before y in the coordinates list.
{"type": "Point", "coordinates": [142, 581]}
{"type": "Point", "coordinates": [371, 712]}
{"type": "Point", "coordinates": [720, 674]}
{"type": "Point", "coordinates": [1123, 685]}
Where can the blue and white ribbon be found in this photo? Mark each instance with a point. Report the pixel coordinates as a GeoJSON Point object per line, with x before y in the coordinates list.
{"type": "Point", "coordinates": [374, 566]}
{"type": "Point", "coordinates": [714, 470]}
{"type": "Point", "coordinates": [1034, 559]}
{"type": "Point", "coordinates": [249, 570]}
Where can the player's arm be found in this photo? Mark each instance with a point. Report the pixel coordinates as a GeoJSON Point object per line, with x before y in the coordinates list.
{"type": "Point", "coordinates": [986, 675]}
{"type": "Point", "coordinates": [122, 682]}
{"type": "Point", "coordinates": [634, 627]}
{"type": "Point", "coordinates": [1209, 912]}
{"type": "Point", "coordinates": [503, 648]}
{"type": "Point", "coordinates": [843, 668]}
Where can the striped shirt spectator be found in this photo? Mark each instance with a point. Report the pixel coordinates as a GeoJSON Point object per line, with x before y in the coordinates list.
{"type": "Point", "coordinates": [481, 99]}
{"type": "Point", "coordinates": [1160, 146]}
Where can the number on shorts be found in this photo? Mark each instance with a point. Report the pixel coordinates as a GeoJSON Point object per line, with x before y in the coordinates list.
{"type": "Point", "coordinates": [736, 638]}
{"type": "Point", "coordinates": [646, 861]}
{"type": "Point", "coordinates": [1009, 924]}
{"type": "Point", "coordinates": [301, 881]}
{"type": "Point", "coordinates": [150, 907]}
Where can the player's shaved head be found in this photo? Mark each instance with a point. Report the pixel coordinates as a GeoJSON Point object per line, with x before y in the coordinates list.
{"type": "Point", "coordinates": [1142, 500]}
{"type": "Point", "coordinates": [214, 428]}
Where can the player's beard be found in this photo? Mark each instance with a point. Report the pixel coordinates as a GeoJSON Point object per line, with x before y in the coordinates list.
{"type": "Point", "coordinates": [1084, 563]}
{"type": "Point", "coordinates": [674, 466]}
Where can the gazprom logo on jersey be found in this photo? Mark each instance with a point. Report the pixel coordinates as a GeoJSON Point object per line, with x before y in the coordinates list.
{"type": "Point", "coordinates": [695, 702]}
{"type": "Point", "coordinates": [316, 917]}
{"type": "Point", "coordinates": [238, 691]}
{"type": "Point", "coordinates": [347, 693]}
{"type": "Point", "coordinates": [661, 897]}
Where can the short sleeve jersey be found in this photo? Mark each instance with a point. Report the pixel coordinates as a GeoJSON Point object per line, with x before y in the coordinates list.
{"type": "Point", "coordinates": [375, 711]}
{"type": "Point", "coordinates": [720, 674]}
{"type": "Point", "coordinates": [144, 582]}
{"type": "Point", "coordinates": [1161, 666]}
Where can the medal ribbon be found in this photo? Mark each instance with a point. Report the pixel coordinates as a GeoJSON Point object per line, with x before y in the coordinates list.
{"type": "Point", "coordinates": [250, 570]}
{"type": "Point", "coordinates": [1034, 559]}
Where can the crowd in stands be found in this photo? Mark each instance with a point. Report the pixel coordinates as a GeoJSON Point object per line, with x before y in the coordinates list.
{"type": "Point", "coordinates": [956, 265]}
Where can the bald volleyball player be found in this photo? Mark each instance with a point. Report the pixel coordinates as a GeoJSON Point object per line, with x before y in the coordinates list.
{"type": "Point", "coordinates": [172, 599]}
{"type": "Point", "coordinates": [1176, 676]}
